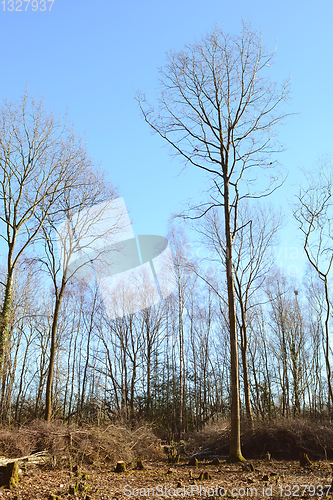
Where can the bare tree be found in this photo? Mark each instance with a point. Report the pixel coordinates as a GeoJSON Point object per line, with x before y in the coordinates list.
{"type": "Point", "coordinates": [314, 214]}
{"type": "Point", "coordinates": [78, 222]}
{"type": "Point", "coordinates": [39, 157]}
{"type": "Point", "coordinates": [185, 283]}
{"type": "Point", "coordinates": [289, 337]}
{"type": "Point", "coordinates": [252, 263]}
{"type": "Point", "coordinates": [153, 329]}
{"type": "Point", "coordinates": [202, 359]}
{"type": "Point", "coordinates": [23, 315]}
{"type": "Point", "coordinates": [315, 312]}
{"type": "Point", "coordinates": [217, 108]}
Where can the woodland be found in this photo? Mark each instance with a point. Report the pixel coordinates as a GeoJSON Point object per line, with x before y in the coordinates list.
{"type": "Point", "coordinates": [236, 361]}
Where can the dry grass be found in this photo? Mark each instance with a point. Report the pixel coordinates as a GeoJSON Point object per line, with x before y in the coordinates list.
{"type": "Point", "coordinates": [78, 445]}
{"type": "Point", "coordinates": [284, 439]}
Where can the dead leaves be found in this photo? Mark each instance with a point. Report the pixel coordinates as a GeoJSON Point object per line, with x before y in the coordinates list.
{"type": "Point", "coordinates": [38, 484]}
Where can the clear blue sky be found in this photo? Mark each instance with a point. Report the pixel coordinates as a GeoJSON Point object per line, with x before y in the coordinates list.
{"type": "Point", "coordinates": [89, 57]}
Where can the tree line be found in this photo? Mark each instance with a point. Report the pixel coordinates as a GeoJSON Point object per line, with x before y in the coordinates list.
{"type": "Point", "coordinates": [169, 363]}
{"type": "Point", "coordinates": [240, 340]}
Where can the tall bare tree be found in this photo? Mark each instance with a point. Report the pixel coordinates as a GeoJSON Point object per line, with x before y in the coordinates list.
{"type": "Point", "coordinates": [39, 157]}
{"type": "Point", "coordinates": [314, 214]}
{"type": "Point", "coordinates": [185, 280]}
{"type": "Point", "coordinates": [74, 213]}
{"type": "Point", "coordinates": [217, 108]}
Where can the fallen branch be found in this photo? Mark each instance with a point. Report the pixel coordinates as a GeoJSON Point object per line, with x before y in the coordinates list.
{"type": "Point", "coordinates": [35, 458]}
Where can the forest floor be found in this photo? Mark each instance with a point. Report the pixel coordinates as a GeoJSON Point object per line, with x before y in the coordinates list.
{"type": "Point", "coordinates": [159, 480]}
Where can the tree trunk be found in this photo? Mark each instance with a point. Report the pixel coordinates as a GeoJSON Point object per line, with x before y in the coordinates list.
{"type": "Point", "coordinates": [248, 408]}
{"type": "Point", "coordinates": [4, 318]}
{"type": "Point", "coordinates": [327, 350]}
{"type": "Point", "coordinates": [53, 350]}
{"type": "Point", "coordinates": [235, 453]}
{"type": "Point", "coordinates": [181, 361]}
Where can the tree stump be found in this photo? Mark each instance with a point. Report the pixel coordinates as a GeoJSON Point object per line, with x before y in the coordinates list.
{"type": "Point", "coordinates": [204, 475]}
{"type": "Point", "coordinates": [120, 467]}
{"type": "Point", "coordinates": [304, 460]}
{"type": "Point", "coordinates": [139, 465]}
{"type": "Point", "coordinates": [173, 457]}
{"type": "Point", "coordinates": [74, 489]}
{"type": "Point", "coordinates": [10, 475]}
{"type": "Point", "coordinates": [247, 467]}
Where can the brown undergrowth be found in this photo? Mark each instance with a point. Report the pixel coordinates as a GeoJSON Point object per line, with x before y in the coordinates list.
{"type": "Point", "coordinates": [87, 444]}
{"type": "Point", "coordinates": [80, 445]}
{"type": "Point", "coordinates": [283, 439]}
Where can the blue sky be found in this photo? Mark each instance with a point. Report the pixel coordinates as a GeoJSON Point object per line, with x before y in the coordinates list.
{"type": "Point", "coordinates": [88, 58]}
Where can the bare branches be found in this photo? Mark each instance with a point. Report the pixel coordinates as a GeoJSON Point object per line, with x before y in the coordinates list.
{"type": "Point", "coordinates": [314, 213]}
{"type": "Point", "coordinates": [216, 106]}
{"type": "Point", "coordinates": [42, 164]}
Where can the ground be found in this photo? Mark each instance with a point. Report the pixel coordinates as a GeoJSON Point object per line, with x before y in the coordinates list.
{"type": "Point", "coordinates": [159, 480]}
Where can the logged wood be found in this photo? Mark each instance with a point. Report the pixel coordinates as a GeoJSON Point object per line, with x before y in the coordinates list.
{"type": "Point", "coordinates": [120, 467]}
